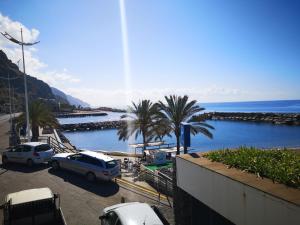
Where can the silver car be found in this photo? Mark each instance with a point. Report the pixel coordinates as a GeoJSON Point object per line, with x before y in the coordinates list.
{"type": "Point", "coordinates": [91, 164]}
{"type": "Point", "coordinates": [29, 153]}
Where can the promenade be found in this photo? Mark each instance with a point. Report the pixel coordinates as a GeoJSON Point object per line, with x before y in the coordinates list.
{"type": "Point", "coordinates": [4, 131]}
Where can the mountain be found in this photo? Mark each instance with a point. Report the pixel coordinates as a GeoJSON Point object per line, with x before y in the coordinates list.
{"type": "Point", "coordinates": [37, 89]}
{"type": "Point", "coordinates": [75, 101]}
{"type": "Point", "coordinates": [61, 96]}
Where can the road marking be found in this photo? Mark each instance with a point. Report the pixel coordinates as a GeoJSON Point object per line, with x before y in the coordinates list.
{"type": "Point", "coordinates": [141, 188]}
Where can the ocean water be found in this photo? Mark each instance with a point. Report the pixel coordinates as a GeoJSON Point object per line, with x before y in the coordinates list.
{"type": "Point", "coordinates": [227, 134]}
{"type": "Point", "coordinates": [281, 106]}
{"type": "Point", "coordinates": [91, 119]}
{"type": "Point", "coordinates": [287, 106]}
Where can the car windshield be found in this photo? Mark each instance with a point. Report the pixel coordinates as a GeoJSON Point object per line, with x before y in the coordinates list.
{"type": "Point", "coordinates": [111, 164]}
{"type": "Point", "coordinates": [42, 148]}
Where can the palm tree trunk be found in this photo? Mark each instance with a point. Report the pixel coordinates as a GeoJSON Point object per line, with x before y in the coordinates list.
{"type": "Point", "coordinates": [35, 133]}
{"type": "Point", "coordinates": [178, 144]}
{"type": "Point", "coordinates": [144, 142]}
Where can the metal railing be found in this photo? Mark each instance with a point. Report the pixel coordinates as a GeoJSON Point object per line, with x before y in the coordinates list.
{"type": "Point", "coordinates": [160, 182]}
{"type": "Point", "coordinates": [57, 146]}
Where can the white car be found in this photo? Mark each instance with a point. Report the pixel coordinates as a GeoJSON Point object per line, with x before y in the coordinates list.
{"type": "Point", "coordinates": [133, 213]}
{"type": "Point", "coordinates": [91, 164]}
{"type": "Point", "coordinates": [29, 153]}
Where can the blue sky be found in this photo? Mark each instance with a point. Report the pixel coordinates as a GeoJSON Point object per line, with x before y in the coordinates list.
{"type": "Point", "coordinates": [213, 50]}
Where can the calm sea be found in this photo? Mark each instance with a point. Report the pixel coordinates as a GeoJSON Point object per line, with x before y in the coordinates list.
{"type": "Point", "coordinates": [227, 134]}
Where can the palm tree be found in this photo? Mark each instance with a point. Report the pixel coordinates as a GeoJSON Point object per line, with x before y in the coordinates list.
{"type": "Point", "coordinates": [160, 128]}
{"type": "Point", "coordinates": [39, 116]}
{"type": "Point", "coordinates": [141, 121]}
{"type": "Point", "coordinates": [177, 110]}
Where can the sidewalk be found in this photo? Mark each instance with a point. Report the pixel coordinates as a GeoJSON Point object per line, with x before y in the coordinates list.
{"type": "Point", "coordinates": [4, 132]}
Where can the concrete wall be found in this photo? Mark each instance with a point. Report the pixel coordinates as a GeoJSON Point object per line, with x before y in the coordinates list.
{"type": "Point", "coordinates": [239, 203]}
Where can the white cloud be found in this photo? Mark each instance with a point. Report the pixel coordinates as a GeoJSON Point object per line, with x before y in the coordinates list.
{"type": "Point", "coordinates": [118, 98]}
{"type": "Point", "coordinates": [34, 66]}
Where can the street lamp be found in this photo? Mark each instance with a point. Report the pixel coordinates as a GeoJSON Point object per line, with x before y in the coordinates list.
{"type": "Point", "coordinates": [22, 43]}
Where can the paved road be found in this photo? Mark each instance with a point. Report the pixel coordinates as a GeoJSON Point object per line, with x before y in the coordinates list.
{"type": "Point", "coordinates": [81, 202]}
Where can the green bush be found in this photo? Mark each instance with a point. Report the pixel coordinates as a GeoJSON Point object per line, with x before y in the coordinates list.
{"type": "Point", "coordinates": [282, 166]}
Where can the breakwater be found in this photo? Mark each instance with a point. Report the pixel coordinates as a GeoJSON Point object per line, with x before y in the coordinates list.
{"type": "Point", "coordinates": [92, 126]}
{"type": "Point", "coordinates": [275, 118]}
{"type": "Point", "coordinates": [67, 115]}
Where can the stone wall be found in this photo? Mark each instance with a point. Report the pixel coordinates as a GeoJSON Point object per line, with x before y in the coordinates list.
{"type": "Point", "coordinates": [92, 126]}
{"type": "Point", "coordinates": [275, 118]}
{"type": "Point", "coordinates": [67, 115]}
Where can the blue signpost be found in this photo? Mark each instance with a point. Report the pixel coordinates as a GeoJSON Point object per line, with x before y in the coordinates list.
{"type": "Point", "coordinates": [185, 136]}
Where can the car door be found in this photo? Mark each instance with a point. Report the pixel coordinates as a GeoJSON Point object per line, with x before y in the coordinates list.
{"type": "Point", "coordinates": [45, 152]}
{"type": "Point", "coordinates": [25, 154]}
{"type": "Point", "coordinates": [14, 155]}
{"type": "Point", "coordinates": [88, 164]}
{"type": "Point", "coordinates": [71, 162]}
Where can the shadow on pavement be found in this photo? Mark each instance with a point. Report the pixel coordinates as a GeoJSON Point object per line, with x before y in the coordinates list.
{"type": "Point", "coordinates": [23, 168]}
{"type": "Point", "coordinates": [101, 188]}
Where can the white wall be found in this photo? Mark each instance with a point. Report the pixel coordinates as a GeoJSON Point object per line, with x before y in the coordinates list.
{"type": "Point", "coordinates": [239, 203]}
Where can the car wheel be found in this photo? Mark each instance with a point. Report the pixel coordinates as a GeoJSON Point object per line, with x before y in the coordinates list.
{"type": "Point", "coordinates": [29, 163]}
{"type": "Point", "coordinates": [55, 165]}
{"type": "Point", "coordinates": [4, 160]}
{"type": "Point", "coordinates": [90, 177]}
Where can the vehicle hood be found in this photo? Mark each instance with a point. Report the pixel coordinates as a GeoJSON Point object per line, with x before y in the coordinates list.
{"type": "Point", "coordinates": [128, 215]}
{"type": "Point", "coordinates": [107, 209]}
{"type": "Point", "coordinates": [62, 155]}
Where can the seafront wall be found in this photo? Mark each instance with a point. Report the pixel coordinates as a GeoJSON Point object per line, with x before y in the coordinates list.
{"type": "Point", "coordinates": [275, 118]}
{"type": "Point", "coordinates": [67, 115]}
{"type": "Point", "coordinates": [92, 126]}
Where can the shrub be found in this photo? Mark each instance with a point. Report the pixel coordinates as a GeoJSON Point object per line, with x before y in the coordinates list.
{"type": "Point", "coordinates": [282, 166]}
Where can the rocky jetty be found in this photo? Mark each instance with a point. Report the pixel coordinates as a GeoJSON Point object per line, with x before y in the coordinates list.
{"type": "Point", "coordinates": [67, 115]}
{"type": "Point", "coordinates": [92, 126]}
{"type": "Point", "coordinates": [275, 118]}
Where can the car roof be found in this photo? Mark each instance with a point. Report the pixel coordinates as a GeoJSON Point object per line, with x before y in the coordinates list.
{"type": "Point", "coordinates": [128, 215]}
{"type": "Point", "coordinates": [29, 195]}
{"type": "Point", "coordinates": [34, 143]}
{"type": "Point", "coordinates": [97, 155]}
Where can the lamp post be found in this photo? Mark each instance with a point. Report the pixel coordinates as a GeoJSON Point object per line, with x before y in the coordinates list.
{"type": "Point", "coordinates": [9, 96]}
{"type": "Point", "coordinates": [22, 43]}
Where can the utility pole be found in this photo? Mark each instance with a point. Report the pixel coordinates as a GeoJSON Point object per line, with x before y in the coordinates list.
{"type": "Point", "coordinates": [22, 43]}
{"type": "Point", "coordinates": [26, 94]}
{"type": "Point", "coordinates": [9, 96]}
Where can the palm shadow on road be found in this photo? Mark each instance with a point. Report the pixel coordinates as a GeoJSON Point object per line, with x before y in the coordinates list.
{"type": "Point", "coordinates": [101, 188]}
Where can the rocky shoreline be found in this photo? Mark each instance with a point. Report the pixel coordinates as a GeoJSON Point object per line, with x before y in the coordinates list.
{"type": "Point", "coordinates": [274, 118]}
{"type": "Point", "coordinates": [67, 115]}
{"type": "Point", "coordinates": [92, 126]}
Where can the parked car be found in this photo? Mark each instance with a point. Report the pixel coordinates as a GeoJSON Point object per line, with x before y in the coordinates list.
{"type": "Point", "coordinates": [32, 207]}
{"type": "Point", "coordinates": [91, 164]}
{"type": "Point", "coordinates": [29, 153]}
{"type": "Point", "coordinates": [133, 213]}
